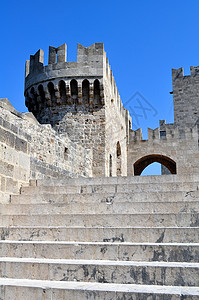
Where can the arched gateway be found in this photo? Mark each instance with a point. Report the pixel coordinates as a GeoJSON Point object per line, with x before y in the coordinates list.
{"type": "Point", "coordinates": [143, 162]}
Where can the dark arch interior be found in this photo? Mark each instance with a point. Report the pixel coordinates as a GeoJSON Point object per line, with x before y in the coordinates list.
{"type": "Point", "coordinates": [96, 92]}
{"type": "Point", "coordinates": [143, 162]}
{"type": "Point", "coordinates": [62, 88]}
{"type": "Point", "coordinates": [51, 90]}
{"type": "Point", "coordinates": [85, 91]}
{"type": "Point", "coordinates": [74, 88]}
{"type": "Point", "coordinates": [41, 92]}
{"type": "Point", "coordinates": [118, 149]}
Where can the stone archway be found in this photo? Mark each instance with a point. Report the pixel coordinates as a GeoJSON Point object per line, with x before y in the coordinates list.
{"type": "Point", "coordinates": [143, 162]}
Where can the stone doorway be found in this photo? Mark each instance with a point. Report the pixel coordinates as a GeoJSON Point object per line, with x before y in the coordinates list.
{"type": "Point", "coordinates": [143, 162]}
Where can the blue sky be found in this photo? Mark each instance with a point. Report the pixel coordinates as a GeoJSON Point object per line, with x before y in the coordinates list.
{"type": "Point", "coordinates": [143, 39]}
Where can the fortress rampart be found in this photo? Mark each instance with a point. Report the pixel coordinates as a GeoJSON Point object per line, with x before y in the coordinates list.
{"type": "Point", "coordinates": [127, 237]}
{"type": "Point", "coordinates": [185, 97]}
{"type": "Point", "coordinates": [77, 125]}
{"type": "Point", "coordinates": [170, 145]}
{"type": "Point", "coordinates": [29, 150]}
{"type": "Point", "coordinates": [81, 99]}
{"type": "Point", "coordinates": [79, 84]}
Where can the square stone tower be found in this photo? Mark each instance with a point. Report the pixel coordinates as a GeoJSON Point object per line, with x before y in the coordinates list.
{"type": "Point", "coordinates": [186, 97]}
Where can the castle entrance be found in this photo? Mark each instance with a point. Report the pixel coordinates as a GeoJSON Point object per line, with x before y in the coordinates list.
{"type": "Point", "coordinates": [143, 162]}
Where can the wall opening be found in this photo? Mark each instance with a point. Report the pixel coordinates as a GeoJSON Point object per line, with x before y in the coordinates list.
{"type": "Point", "coordinates": [119, 161]}
{"type": "Point", "coordinates": [41, 92]}
{"type": "Point", "coordinates": [34, 107]}
{"type": "Point", "coordinates": [66, 152]}
{"type": "Point", "coordinates": [110, 166]}
{"type": "Point", "coordinates": [155, 169]}
{"type": "Point", "coordinates": [62, 90]}
{"type": "Point", "coordinates": [74, 90]}
{"type": "Point", "coordinates": [51, 90]}
{"type": "Point", "coordinates": [41, 99]}
{"type": "Point", "coordinates": [96, 92]}
{"type": "Point", "coordinates": [145, 161]}
{"type": "Point", "coordinates": [85, 91]}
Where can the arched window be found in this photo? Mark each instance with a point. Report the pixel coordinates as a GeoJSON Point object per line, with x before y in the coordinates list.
{"type": "Point", "coordinates": [34, 104]}
{"type": "Point", "coordinates": [32, 91]}
{"type": "Point", "coordinates": [85, 91]}
{"type": "Point", "coordinates": [62, 90]}
{"type": "Point", "coordinates": [119, 165]}
{"type": "Point", "coordinates": [110, 166]}
{"type": "Point", "coordinates": [51, 90]}
{"type": "Point", "coordinates": [41, 92]}
{"type": "Point", "coordinates": [96, 92]}
{"type": "Point", "coordinates": [74, 90]}
{"type": "Point", "coordinates": [41, 99]}
{"type": "Point", "coordinates": [145, 161]}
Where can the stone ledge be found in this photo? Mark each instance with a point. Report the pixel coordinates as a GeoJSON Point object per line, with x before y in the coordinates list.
{"type": "Point", "coordinates": [106, 287]}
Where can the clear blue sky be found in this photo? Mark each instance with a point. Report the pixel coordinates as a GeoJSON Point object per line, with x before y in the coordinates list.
{"type": "Point", "coordinates": [143, 39]}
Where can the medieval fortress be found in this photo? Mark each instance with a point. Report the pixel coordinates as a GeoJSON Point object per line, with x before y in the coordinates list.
{"type": "Point", "coordinates": [76, 219]}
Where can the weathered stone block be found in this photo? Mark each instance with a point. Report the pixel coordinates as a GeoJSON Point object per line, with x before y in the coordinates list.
{"type": "Point", "coordinates": [6, 168]}
{"type": "Point", "coordinates": [20, 145]}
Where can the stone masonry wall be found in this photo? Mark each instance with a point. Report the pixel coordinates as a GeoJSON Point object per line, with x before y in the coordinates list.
{"type": "Point", "coordinates": [88, 130]}
{"type": "Point", "coordinates": [81, 99]}
{"type": "Point", "coordinates": [29, 150]}
{"type": "Point", "coordinates": [14, 154]}
{"type": "Point", "coordinates": [117, 128]}
{"type": "Point", "coordinates": [173, 143]}
{"type": "Point", "coordinates": [185, 96]}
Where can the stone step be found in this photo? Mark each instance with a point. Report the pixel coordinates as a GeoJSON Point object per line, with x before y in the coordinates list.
{"type": "Point", "coordinates": [105, 271]}
{"type": "Point", "coordinates": [111, 188]}
{"type": "Point", "coordinates": [116, 180]}
{"type": "Point", "coordinates": [171, 252]}
{"type": "Point", "coordinates": [105, 208]}
{"type": "Point", "coordinates": [27, 289]}
{"type": "Point", "coordinates": [100, 234]}
{"type": "Point", "coordinates": [103, 220]}
{"type": "Point", "coordinates": [134, 196]}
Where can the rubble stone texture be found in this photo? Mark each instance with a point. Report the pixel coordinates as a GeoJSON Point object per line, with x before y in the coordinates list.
{"type": "Point", "coordinates": [76, 219]}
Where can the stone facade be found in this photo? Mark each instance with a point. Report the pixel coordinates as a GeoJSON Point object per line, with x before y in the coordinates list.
{"type": "Point", "coordinates": [175, 149]}
{"type": "Point", "coordinates": [29, 150]}
{"type": "Point", "coordinates": [80, 98]}
{"type": "Point", "coordinates": [185, 96]}
{"type": "Point", "coordinates": [77, 125]}
{"type": "Point", "coordinates": [72, 224]}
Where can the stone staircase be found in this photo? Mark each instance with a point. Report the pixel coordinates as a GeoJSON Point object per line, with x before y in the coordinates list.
{"type": "Point", "coordinates": [102, 238]}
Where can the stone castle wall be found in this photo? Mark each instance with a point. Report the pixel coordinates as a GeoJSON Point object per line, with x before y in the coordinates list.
{"type": "Point", "coordinates": [117, 128]}
{"type": "Point", "coordinates": [14, 155]}
{"type": "Point", "coordinates": [79, 127]}
{"type": "Point", "coordinates": [185, 96]}
{"type": "Point", "coordinates": [81, 99]}
{"type": "Point", "coordinates": [165, 144]}
{"type": "Point", "coordinates": [29, 150]}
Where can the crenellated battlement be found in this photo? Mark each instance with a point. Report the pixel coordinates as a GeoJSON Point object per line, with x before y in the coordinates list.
{"type": "Point", "coordinates": [166, 132]}
{"type": "Point", "coordinates": [89, 63]}
{"type": "Point", "coordinates": [63, 83]}
{"type": "Point", "coordinates": [186, 97]}
{"type": "Point", "coordinates": [80, 98]}
{"type": "Point", "coordinates": [178, 74]}
{"type": "Point", "coordinates": [79, 85]}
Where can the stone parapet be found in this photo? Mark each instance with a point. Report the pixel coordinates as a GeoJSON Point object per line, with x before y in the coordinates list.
{"type": "Point", "coordinates": [29, 150]}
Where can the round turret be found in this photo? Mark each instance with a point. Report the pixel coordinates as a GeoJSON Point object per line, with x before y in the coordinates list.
{"type": "Point", "coordinates": [60, 87]}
